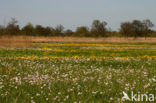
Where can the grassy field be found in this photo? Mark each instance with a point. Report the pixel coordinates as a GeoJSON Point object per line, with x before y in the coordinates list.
{"type": "Point", "coordinates": [68, 72]}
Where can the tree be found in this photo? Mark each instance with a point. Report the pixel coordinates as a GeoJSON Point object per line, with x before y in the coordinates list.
{"type": "Point", "coordinates": [42, 30]}
{"type": "Point", "coordinates": [28, 29]}
{"type": "Point", "coordinates": [147, 27]}
{"type": "Point", "coordinates": [126, 29]}
{"type": "Point", "coordinates": [82, 31]}
{"type": "Point", "coordinates": [2, 30]}
{"type": "Point", "coordinates": [12, 27]}
{"type": "Point", "coordinates": [99, 28]}
{"type": "Point", "coordinates": [68, 32]}
{"type": "Point", "coordinates": [58, 30]}
{"type": "Point", "coordinates": [136, 28]}
{"type": "Point", "coordinates": [48, 31]}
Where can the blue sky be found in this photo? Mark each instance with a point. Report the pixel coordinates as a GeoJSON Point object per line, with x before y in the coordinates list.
{"type": "Point", "coordinates": [74, 13]}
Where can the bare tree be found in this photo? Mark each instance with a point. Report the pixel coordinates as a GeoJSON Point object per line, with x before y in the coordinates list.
{"type": "Point", "coordinates": [147, 27]}
{"type": "Point", "coordinates": [99, 28]}
{"type": "Point", "coordinates": [136, 28]}
{"type": "Point", "coordinates": [126, 29]}
{"type": "Point", "coordinates": [58, 30]}
{"type": "Point", "coordinates": [12, 27]}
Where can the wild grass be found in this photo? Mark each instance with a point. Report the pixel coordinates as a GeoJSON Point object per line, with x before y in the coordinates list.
{"type": "Point", "coordinates": [76, 72]}
{"type": "Point", "coordinates": [15, 41]}
{"type": "Point", "coordinates": [26, 41]}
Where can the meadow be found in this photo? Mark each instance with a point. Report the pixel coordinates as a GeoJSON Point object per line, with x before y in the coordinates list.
{"type": "Point", "coordinates": [73, 72]}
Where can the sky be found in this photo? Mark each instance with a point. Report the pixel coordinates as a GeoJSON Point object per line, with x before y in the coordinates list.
{"type": "Point", "coordinates": [75, 13]}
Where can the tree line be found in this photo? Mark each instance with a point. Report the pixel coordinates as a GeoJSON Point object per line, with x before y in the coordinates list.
{"type": "Point", "coordinates": [136, 28]}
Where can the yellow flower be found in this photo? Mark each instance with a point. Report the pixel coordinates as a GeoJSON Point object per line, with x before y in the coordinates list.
{"type": "Point", "coordinates": [45, 48]}
{"type": "Point", "coordinates": [11, 69]}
